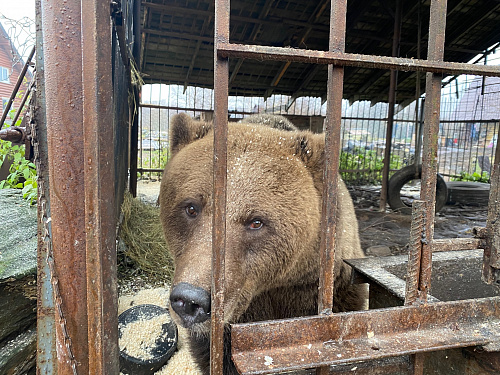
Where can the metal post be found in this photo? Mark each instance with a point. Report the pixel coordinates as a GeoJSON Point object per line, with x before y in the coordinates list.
{"type": "Point", "coordinates": [332, 154]}
{"type": "Point", "coordinates": [46, 341]}
{"type": "Point", "coordinates": [61, 29]}
{"type": "Point", "coordinates": [437, 26]}
{"type": "Point", "coordinates": [391, 102]}
{"type": "Point", "coordinates": [221, 81]}
{"type": "Point", "coordinates": [100, 221]}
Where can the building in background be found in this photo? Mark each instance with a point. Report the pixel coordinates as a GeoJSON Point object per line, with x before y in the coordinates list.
{"type": "Point", "coordinates": [11, 65]}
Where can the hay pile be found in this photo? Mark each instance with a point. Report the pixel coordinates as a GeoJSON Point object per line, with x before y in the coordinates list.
{"type": "Point", "coordinates": [142, 250]}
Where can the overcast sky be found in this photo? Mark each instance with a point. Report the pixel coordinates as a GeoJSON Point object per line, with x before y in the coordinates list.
{"type": "Point", "coordinates": [16, 16]}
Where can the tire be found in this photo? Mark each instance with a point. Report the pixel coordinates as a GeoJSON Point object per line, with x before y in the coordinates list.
{"type": "Point", "coordinates": [468, 193]}
{"type": "Point", "coordinates": [405, 175]}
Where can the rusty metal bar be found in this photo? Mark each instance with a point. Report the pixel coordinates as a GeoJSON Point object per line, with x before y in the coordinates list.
{"type": "Point", "coordinates": [100, 221]}
{"type": "Point", "coordinates": [13, 134]}
{"type": "Point", "coordinates": [491, 263]}
{"type": "Point", "coordinates": [46, 359]}
{"type": "Point", "coordinates": [23, 102]}
{"type": "Point", "coordinates": [359, 336]}
{"type": "Point", "coordinates": [391, 103]}
{"type": "Point", "coordinates": [16, 87]}
{"type": "Point", "coordinates": [332, 150]}
{"type": "Point", "coordinates": [414, 252]}
{"type": "Point", "coordinates": [338, 10]}
{"type": "Point", "coordinates": [456, 244]}
{"type": "Point", "coordinates": [64, 101]}
{"type": "Point", "coordinates": [221, 82]}
{"type": "Point", "coordinates": [265, 53]}
{"type": "Point", "coordinates": [437, 27]}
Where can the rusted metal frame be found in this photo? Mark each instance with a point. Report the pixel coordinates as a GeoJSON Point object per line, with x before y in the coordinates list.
{"type": "Point", "coordinates": [64, 108]}
{"type": "Point", "coordinates": [99, 193]}
{"type": "Point", "coordinates": [437, 26]}
{"type": "Point", "coordinates": [332, 151]}
{"type": "Point", "coordinates": [266, 53]}
{"type": "Point", "coordinates": [491, 262]}
{"type": "Point", "coordinates": [363, 335]}
{"type": "Point", "coordinates": [393, 82]}
{"type": "Point", "coordinates": [221, 81]}
{"type": "Point", "coordinates": [23, 101]}
{"type": "Point", "coordinates": [16, 87]}
{"type": "Point", "coordinates": [329, 209]}
{"type": "Point", "coordinates": [46, 359]}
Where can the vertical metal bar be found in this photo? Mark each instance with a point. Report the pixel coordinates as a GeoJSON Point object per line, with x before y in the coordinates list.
{"type": "Point", "coordinates": [221, 81]}
{"type": "Point", "coordinates": [437, 27]}
{"type": "Point", "coordinates": [332, 141]}
{"type": "Point", "coordinates": [63, 93]}
{"type": "Point", "coordinates": [391, 101]}
{"type": "Point", "coordinates": [46, 341]}
{"type": "Point", "coordinates": [16, 87]}
{"type": "Point", "coordinates": [491, 263]}
{"type": "Point", "coordinates": [100, 222]}
{"type": "Point", "coordinates": [338, 10]}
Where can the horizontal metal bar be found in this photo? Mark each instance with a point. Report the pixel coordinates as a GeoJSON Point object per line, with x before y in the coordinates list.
{"type": "Point", "coordinates": [13, 134]}
{"type": "Point", "coordinates": [455, 244]}
{"type": "Point", "coordinates": [292, 344]}
{"type": "Point", "coordinates": [351, 59]}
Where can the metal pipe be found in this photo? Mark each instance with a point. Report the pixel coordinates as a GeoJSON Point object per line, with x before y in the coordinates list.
{"type": "Point", "coordinates": [46, 359]}
{"type": "Point", "coordinates": [16, 87]}
{"type": "Point", "coordinates": [221, 82]}
{"type": "Point", "coordinates": [391, 103]}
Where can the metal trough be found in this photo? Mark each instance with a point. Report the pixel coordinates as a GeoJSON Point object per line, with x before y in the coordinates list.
{"type": "Point", "coordinates": [456, 276]}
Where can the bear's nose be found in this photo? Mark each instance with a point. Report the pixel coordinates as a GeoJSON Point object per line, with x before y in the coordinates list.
{"type": "Point", "coordinates": [191, 303]}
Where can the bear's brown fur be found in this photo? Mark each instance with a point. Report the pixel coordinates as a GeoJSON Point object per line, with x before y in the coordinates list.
{"type": "Point", "coordinates": [274, 189]}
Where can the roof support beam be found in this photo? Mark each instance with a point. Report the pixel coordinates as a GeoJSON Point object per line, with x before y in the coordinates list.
{"type": "Point", "coordinates": [320, 8]}
{"type": "Point", "coordinates": [206, 22]}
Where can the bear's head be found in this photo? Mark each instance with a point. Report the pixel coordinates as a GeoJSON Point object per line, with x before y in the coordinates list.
{"type": "Point", "coordinates": [274, 182]}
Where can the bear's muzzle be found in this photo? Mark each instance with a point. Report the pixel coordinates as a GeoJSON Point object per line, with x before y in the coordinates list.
{"type": "Point", "coordinates": [190, 303]}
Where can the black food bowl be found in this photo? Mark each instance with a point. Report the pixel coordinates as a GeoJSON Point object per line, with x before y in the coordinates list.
{"type": "Point", "coordinates": [157, 346]}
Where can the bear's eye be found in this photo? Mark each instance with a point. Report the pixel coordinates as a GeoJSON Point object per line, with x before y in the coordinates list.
{"type": "Point", "coordinates": [191, 210]}
{"type": "Point", "coordinates": [256, 224]}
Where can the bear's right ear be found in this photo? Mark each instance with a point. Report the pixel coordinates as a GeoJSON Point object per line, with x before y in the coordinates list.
{"type": "Point", "coordinates": [184, 130]}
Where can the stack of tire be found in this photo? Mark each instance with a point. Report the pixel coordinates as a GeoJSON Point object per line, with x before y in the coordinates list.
{"type": "Point", "coordinates": [405, 175]}
{"type": "Point", "coordinates": [453, 192]}
{"type": "Point", "coordinates": [468, 193]}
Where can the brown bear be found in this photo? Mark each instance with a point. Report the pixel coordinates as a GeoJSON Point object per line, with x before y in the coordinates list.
{"type": "Point", "coordinates": [274, 189]}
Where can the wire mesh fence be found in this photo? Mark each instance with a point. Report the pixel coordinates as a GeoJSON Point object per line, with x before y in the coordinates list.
{"type": "Point", "coordinates": [469, 126]}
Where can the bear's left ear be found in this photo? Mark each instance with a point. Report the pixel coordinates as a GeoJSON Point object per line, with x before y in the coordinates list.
{"type": "Point", "coordinates": [310, 148]}
{"type": "Point", "coordinates": [184, 130]}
